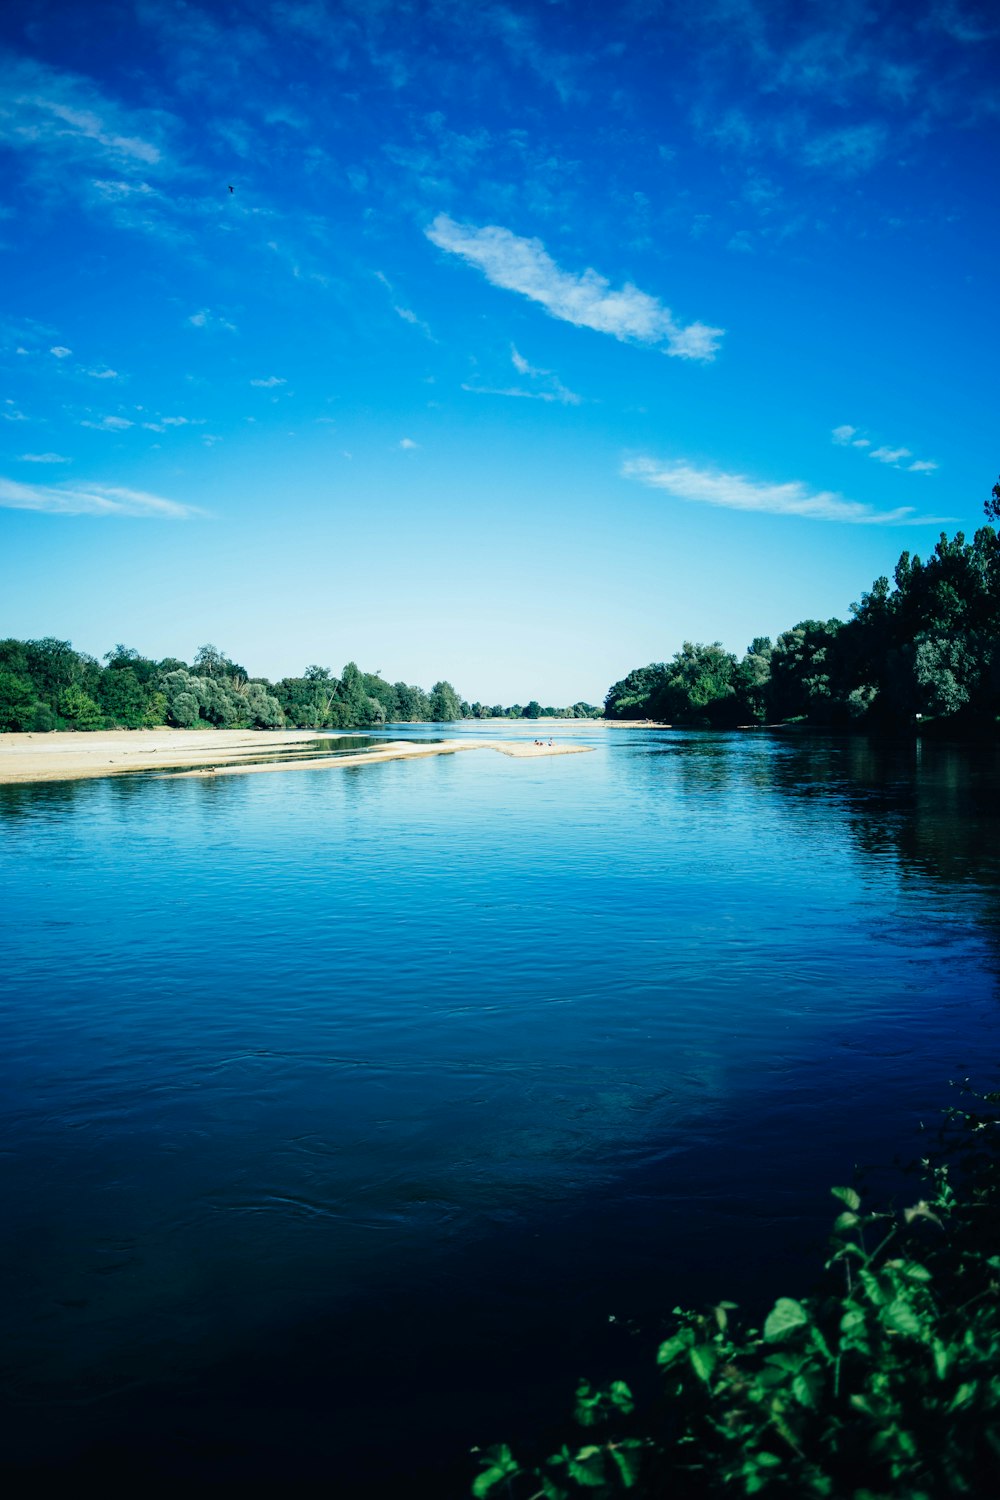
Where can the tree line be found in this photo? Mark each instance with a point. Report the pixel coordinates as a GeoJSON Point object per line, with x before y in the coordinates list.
{"type": "Point", "coordinates": [925, 647]}
{"type": "Point", "coordinates": [46, 684]}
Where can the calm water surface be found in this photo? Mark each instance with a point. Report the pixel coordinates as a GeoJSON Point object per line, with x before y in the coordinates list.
{"type": "Point", "coordinates": [342, 1109]}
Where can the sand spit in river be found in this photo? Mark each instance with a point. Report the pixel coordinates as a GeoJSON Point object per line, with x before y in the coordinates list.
{"type": "Point", "coordinates": [66, 756]}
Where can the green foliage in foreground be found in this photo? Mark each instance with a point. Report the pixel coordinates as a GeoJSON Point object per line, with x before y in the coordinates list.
{"type": "Point", "coordinates": [883, 1386]}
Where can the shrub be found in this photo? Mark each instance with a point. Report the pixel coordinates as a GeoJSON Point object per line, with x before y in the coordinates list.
{"type": "Point", "coordinates": [42, 719]}
{"type": "Point", "coordinates": [79, 709]}
{"type": "Point", "coordinates": [885, 1385]}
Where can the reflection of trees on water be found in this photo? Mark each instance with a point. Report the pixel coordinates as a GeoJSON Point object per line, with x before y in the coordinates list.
{"type": "Point", "coordinates": [29, 801]}
{"type": "Point", "coordinates": [935, 807]}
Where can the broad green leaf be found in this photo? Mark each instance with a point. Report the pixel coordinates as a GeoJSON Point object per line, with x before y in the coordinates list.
{"type": "Point", "coordinates": [784, 1318]}
{"type": "Point", "coordinates": [942, 1358]}
{"type": "Point", "coordinates": [846, 1220]}
{"type": "Point", "coordinates": [588, 1405]}
{"type": "Point", "coordinates": [807, 1387]}
{"type": "Point", "coordinates": [502, 1464]}
{"type": "Point", "coordinates": [853, 1322]}
{"type": "Point", "coordinates": [900, 1316]}
{"type": "Point", "coordinates": [628, 1456]}
{"type": "Point", "coordinates": [847, 1195]}
{"type": "Point", "coordinates": [872, 1286]}
{"type": "Point", "coordinates": [587, 1468]}
{"type": "Point", "coordinates": [787, 1359]}
{"type": "Point", "coordinates": [768, 1460]}
{"type": "Point", "coordinates": [704, 1360]}
{"type": "Point", "coordinates": [673, 1348]}
{"type": "Point", "coordinates": [621, 1396]}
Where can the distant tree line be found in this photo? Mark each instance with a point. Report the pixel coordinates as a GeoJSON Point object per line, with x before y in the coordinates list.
{"type": "Point", "coordinates": [926, 646]}
{"type": "Point", "coordinates": [46, 685]}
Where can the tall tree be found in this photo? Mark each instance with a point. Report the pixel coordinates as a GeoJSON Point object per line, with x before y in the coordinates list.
{"type": "Point", "coordinates": [446, 706]}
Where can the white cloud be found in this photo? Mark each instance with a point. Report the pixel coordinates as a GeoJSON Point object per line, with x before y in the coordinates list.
{"type": "Point", "coordinates": [585, 298]}
{"type": "Point", "coordinates": [569, 399]}
{"type": "Point", "coordinates": [90, 500]}
{"type": "Point", "coordinates": [206, 318]}
{"type": "Point", "coordinates": [685, 481]}
{"type": "Point", "coordinates": [102, 374]}
{"type": "Point", "coordinates": [61, 352]}
{"type": "Point", "coordinates": [408, 444]}
{"type": "Point", "coordinates": [846, 437]}
{"type": "Point", "coordinates": [890, 455]}
{"type": "Point", "coordinates": [43, 458]}
{"type": "Point", "coordinates": [117, 192]}
{"type": "Point", "coordinates": [270, 382]}
{"type": "Point", "coordinates": [12, 413]}
{"type": "Point", "coordinates": [109, 424]}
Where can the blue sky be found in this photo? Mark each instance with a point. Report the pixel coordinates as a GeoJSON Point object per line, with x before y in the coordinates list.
{"type": "Point", "coordinates": [533, 338]}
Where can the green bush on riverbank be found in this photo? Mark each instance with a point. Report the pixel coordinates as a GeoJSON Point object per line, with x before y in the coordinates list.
{"type": "Point", "coordinates": [885, 1385]}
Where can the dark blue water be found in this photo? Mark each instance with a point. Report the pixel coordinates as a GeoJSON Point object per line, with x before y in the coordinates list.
{"type": "Point", "coordinates": [342, 1109]}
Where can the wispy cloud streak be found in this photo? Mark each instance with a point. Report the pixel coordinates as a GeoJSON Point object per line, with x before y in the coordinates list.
{"type": "Point", "coordinates": [685, 481]}
{"type": "Point", "coordinates": [583, 298]}
{"type": "Point", "coordinates": [65, 115]}
{"type": "Point", "coordinates": [91, 500]}
{"type": "Point", "coordinates": [549, 388]}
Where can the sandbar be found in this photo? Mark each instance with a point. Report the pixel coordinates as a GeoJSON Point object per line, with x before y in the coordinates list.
{"type": "Point", "coordinates": [68, 756]}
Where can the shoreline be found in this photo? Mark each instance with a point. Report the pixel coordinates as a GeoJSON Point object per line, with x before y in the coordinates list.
{"type": "Point", "coordinates": [71, 756]}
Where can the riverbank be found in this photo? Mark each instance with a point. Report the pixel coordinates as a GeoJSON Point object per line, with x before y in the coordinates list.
{"type": "Point", "coordinates": [66, 756]}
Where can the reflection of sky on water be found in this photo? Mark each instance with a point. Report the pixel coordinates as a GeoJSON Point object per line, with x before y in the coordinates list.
{"type": "Point", "coordinates": [474, 1031]}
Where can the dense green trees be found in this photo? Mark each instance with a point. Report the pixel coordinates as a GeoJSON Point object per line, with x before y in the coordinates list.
{"type": "Point", "coordinates": [17, 700]}
{"type": "Point", "coordinates": [925, 647]}
{"type": "Point", "coordinates": [45, 685]}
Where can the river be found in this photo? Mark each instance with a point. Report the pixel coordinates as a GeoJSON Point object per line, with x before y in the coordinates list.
{"type": "Point", "coordinates": [348, 1116]}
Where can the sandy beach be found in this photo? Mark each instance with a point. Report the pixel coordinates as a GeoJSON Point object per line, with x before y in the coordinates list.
{"type": "Point", "coordinates": [223, 752]}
